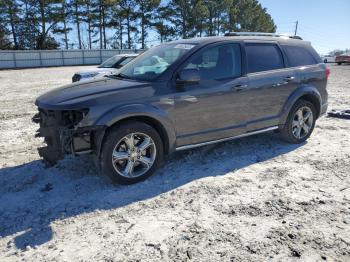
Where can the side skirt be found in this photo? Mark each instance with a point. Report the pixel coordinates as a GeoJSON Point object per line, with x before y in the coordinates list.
{"type": "Point", "coordinates": [226, 139]}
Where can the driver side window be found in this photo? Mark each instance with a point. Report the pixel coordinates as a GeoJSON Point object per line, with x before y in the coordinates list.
{"type": "Point", "coordinates": [219, 62]}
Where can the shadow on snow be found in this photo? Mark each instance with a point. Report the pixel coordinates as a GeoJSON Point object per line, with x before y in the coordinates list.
{"type": "Point", "coordinates": [32, 196]}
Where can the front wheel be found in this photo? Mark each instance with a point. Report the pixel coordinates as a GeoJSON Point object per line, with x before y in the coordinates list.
{"type": "Point", "coordinates": [300, 122]}
{"type": "Point", "coordinates": [131, 152]}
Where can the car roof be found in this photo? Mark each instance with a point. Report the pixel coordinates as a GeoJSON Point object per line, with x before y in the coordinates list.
{"type": "Point", "coordinates": [211, 39]}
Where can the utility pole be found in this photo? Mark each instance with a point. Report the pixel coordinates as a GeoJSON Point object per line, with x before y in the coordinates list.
{"type": "Point", "coordinates": [296, 28]}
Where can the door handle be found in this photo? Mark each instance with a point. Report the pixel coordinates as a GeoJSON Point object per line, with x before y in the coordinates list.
{"type": "Point", "coordinates": [289, 78]}
{"type": "Point", "coordinates": [279, 84]}
{"type": "Point", "coordinates": [286, 80]}
{"type": "Point", "coordinates": [240, 87]}
{"type": "Point", "coordinates": [188, 98]}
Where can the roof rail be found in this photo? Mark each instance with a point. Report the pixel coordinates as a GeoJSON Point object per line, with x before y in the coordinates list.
{"type": "Point", "coordinates": [262, 34]}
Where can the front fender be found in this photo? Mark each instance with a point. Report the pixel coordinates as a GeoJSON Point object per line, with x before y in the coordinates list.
{"type": "Point", "coordinates": [140, 110]}
{"type": "Point", "coordinates": [304, 90]}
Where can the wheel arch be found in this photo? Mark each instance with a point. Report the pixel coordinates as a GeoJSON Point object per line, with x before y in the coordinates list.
{"type": "Point", "coordinates": [308, 93]}
{"type": "Point", "coordinates": [314, 100]}
{"type": "Point", "coordinates": [156, 124]}
{"type": "Point", "coordinates": [150, 115]}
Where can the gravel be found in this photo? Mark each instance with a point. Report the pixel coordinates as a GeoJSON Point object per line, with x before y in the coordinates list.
{"type": "Point", "coordinates": [255, 198]}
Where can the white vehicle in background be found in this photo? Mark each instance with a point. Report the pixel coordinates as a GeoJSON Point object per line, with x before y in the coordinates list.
{"type": "Point", "coordinates": [328, 59]}
{"type": "Point", "coordinates": [108, 67]}
{"type": "Point", "coordinates": [154, 65]}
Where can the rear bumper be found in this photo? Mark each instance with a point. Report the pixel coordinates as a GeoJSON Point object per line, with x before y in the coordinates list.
{"type": "Point", "coordinates": [323, 109]}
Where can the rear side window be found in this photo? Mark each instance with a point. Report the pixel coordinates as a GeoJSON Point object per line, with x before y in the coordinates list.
{"type": "Point", "coordinates": [263, 57]}
{"type": "Point", "coordinates": [299, 56]}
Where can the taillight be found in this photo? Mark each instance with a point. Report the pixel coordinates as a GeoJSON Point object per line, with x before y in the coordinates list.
{"type": "Point", "coordinates": [328, 72]}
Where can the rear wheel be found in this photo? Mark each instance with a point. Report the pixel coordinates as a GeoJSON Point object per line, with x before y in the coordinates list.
{"type": "Point", "coordinates": [131, 152]}
{"type": "Point", "coordinates": [300, 122]}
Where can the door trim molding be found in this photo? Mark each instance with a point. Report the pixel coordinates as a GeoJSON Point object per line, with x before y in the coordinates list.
{"type": "Point", "coordinates": [226, 139]}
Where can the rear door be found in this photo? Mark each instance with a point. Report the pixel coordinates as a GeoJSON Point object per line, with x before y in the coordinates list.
{"type": "Point", "coordinates": [270, 83]}
{"type": "Point", "coordinates": [308, 66]}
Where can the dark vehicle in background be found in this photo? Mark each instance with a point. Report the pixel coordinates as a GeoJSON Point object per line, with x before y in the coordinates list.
{"type": "Point", "coordinates": [343, 58]}
{"type": "Point", "coordinates": [110, 66]}
{"type": "Point", "coordinates": [186, 94]}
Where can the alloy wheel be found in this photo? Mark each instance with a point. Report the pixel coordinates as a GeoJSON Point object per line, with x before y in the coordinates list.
{"type": "Point", "coordinates": [134, 155]}
{"type": "Point", "coordinates": [302, 122]}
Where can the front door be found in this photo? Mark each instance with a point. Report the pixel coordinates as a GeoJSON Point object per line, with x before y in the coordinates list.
{"type": "Point", "coordinates": [213, 108]}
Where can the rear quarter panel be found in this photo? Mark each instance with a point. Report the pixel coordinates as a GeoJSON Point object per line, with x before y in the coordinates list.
{"type": "Point", "coordinates": [313, 81]}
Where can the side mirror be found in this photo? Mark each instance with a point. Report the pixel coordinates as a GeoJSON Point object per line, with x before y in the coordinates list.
{"type": "Point", "coordinates": [188, 76]}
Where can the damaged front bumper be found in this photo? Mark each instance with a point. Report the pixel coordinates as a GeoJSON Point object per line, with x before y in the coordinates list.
{"type": "Point", "coordinates": [63, 135]}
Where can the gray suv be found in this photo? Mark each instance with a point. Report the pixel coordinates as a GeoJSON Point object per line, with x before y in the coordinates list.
{"type": "Point", "coordinates": [186, 94]}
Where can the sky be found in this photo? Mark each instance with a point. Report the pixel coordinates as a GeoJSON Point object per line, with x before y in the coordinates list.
{"type": "Point", "coordinates": [325, 23]}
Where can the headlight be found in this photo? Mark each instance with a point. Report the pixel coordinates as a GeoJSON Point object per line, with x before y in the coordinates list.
{"type": "Point", "coordinates": [71, 118]}
{"type": "Point", "coordinates": [76, 78]}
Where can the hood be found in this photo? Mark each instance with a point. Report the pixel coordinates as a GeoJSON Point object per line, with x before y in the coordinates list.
{"type": "Point", "coordinates": [75, 95]}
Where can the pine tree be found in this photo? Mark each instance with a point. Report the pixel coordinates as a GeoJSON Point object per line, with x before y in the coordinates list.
{"type": "Point", "coordinates": [251, 16]}
{"type": "Point", "coordinates": [89, 17]}
{"type": "Point", "coordinates": [5, 43]}
{"type": "Point", "coordinates": [117, 23]}
{"type": "Point", "coordinates": [63, 27]}
{"type": "Point", "coordinates": [11, 11]}
{"type": "Point", "coordinates": [146, 14]}
{"type": "Point", "coordinates": [218, 12]}
{"type": "Point", "coordinates": [127, 12]}
{"type": "Point", "coordinates": [165, 30]}
{"type": "Point", "coordinates": [76, 18]}
{"type": "Point", "coordinates": [180, 16]}
{"type": "Point", "coordinates": [47, 15]}
{"type": "Point", "coordinates": [199, 14]}
{"type": "Point", "coordinates": [106, 14]}
{"type": "Point", "coordinates": [28, 27]}
{"type": "Point", "coordinates": [39, 23]}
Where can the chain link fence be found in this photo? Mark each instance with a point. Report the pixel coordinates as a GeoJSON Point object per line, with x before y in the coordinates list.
{"type": "Point", "coordinates": [44, 58]}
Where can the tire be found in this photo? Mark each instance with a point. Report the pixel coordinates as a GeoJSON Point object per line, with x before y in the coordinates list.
{"type": "Point", "coordinates": [122, 158]}
{"type": "Point", "coordinates": [325, 61]}
{"type": "Point", "coordinates": [289, 132]}
{"type": "Point", "coordinates": [339, 63]}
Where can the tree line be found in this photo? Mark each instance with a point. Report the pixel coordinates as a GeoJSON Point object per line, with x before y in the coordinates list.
{"type": "Point", "coordinates": [337, 52]}
{"type": "Point", "coordinates": [52, 24]}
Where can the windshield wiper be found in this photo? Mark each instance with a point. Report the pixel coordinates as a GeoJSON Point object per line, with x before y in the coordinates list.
{"type": "Point", "coordinates": [123, 76]}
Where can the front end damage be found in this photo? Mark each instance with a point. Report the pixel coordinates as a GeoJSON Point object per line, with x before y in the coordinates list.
{"type": "Point", "coordinates": [63, 134]}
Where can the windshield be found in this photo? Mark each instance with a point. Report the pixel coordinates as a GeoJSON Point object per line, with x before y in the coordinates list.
{"type": "Point", "coordinates": [155, 61]}
{"type": "Point", "coordinates": [110, 62]}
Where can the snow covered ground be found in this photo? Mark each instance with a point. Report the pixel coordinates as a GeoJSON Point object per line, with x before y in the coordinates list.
{"type": "Point", "coordinates": [255, 198]}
